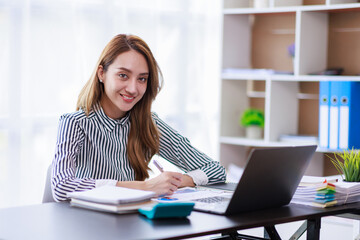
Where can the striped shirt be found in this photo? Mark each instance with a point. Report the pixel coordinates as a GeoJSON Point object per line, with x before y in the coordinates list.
{"type": "Point", "coordinates": [91, 150]}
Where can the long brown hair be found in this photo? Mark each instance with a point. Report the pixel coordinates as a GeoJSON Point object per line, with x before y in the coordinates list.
{"type": "Point", "coordinates": [143, 141]}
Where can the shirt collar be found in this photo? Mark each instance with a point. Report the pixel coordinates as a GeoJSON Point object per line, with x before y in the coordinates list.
{"type": "Point", "coordinates": [108, 122]}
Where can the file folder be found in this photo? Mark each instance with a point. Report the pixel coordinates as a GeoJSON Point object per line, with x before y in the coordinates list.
{"type": "Point", "coordinates": [335, 91]}
{"type": "Point", "coordinates": [349, 115]}
{"type": "Point", "coordinates": [324, 106]}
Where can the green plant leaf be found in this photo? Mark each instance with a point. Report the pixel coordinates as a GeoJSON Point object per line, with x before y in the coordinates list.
{"type": "Point", "coordinates": [355, 174]}
{"type": "Point", "coordinates": [338, 165]}
{"type": "Point", "coordinates": [252, 116]}
{"type": "Point", "coordinates": [358, 176]}
{"type": "Point", "coordinates": [347, 171]}
{"type": "Point", "coordinates": [349, 166]}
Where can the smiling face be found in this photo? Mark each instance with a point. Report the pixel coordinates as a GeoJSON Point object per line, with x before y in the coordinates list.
{"type": "Point", "coordinates": [125, 83]}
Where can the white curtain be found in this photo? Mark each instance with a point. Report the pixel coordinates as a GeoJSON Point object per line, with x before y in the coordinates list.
{"type": "Point", "coordinates": [48, 50]}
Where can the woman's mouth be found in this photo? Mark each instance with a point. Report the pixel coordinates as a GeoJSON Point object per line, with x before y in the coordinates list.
{"type": "Point", "coordinates": [127, 98]}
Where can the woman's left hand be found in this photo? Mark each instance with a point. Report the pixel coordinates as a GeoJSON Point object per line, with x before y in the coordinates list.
{"type": "Point", "coordinates": [187, 181]}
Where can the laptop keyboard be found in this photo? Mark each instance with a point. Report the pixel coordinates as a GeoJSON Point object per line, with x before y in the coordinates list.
{"type": "Point", "coordinates": [211, 199]}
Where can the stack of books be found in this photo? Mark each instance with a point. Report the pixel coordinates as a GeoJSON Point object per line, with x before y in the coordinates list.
{"type": "Point", "coordinates": [112, 199]}
{"type": "Point", "coordinates": [327, 193]}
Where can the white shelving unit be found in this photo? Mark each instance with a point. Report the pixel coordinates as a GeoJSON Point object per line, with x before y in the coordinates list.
{"type": "Point", "coordinates": [326, 34]}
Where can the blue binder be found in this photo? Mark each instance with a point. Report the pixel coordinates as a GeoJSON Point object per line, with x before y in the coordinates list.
{"type": "Point", "coordinates": [324, 107]}
{"type": "Point", "coordinates": [335, 91]}
{"type": "Point", "coordinates": [349, 115]}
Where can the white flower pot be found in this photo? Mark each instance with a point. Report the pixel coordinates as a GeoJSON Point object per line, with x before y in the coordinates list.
{"type": "Point", "coordinates": [254, 132]}
{"type": "Point", "coordinates": [259, 3]}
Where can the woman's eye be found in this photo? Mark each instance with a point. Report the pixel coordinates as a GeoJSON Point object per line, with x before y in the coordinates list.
{"type": "Point", "coordinates": [143, 79]}
{"type": "Point", "coordinates": [122, 75]}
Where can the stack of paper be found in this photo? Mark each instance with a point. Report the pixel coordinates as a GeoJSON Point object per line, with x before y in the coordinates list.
{"type": "Point", "coordinates": [112, 199]}
{"type": "Point", "coordinates": [326, 194]}
{"type": "Point", "coordinates": [314, 180]}
{"type": "Point", "coordinates": [347, 192]}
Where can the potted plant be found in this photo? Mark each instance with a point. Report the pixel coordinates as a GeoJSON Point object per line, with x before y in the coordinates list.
{"type": "Point", "coordinates": [348, 164]}
{"type": "Point", "coordinates": [253, 120]}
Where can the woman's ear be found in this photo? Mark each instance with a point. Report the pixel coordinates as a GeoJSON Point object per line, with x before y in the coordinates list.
{"type": "Point", "coordinates": [100, 73]}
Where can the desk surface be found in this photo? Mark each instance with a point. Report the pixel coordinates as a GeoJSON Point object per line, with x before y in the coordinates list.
{"type": "Point", "coordinates": [60, 221]}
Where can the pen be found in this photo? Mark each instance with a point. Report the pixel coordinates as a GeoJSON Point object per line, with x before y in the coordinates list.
{"type": "Point", "coordinates": [157, 164]}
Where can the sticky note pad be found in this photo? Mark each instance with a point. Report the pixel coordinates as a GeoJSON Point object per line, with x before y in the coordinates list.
{"type": "Point", "coordinates": [168, 210]}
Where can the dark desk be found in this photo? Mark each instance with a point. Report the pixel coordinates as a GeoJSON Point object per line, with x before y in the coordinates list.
{"type": "Point", "coordinates": [60, 221]}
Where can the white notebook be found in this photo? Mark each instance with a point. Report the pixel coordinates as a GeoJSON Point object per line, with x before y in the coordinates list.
{"type": "Point", "coordinates": [115, 208]}
{"type": "Point", "coordinates": [112, 195]}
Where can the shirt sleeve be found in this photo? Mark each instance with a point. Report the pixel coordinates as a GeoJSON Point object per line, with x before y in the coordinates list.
{"type": "Point", "coordinates": [178, 150]}
{"type": "Point", "coordinates": [69, 141]}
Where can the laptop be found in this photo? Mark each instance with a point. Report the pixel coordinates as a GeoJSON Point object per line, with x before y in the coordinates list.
{"type": "Point", "coordinates": [269, 180]}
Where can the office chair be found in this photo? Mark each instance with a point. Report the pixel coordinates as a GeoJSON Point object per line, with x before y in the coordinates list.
{"type": "Point", "coordinates": [47, 197]}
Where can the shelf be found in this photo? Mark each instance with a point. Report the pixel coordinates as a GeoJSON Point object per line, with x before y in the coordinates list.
{"type": "Point", "coordinates": [315, 78]}
{"type": "Point", "coordinates": [255, 50]}
{"type": "Point", "coordinates": [326, 150]}
{"type": "Point", "coordinates": [262, 143]}
{"type": "Point", "coordinates": [256, 94]}
{"type": "Point", "coordinates": [229, 76]}
{"type": "Point", "coordinates": [259, 142]}
{"type": "Point", "coordinates": [287, 77]}
{"type": "Point", "coordinates": [230, 11]}
{"type": "Point", "coordinates": [288, 9]}
{"type": "Point", "coordinates": [307, 96]}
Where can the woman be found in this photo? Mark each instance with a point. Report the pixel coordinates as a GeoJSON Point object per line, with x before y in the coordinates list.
{"type": "Point", "coordinates": [113, 135]}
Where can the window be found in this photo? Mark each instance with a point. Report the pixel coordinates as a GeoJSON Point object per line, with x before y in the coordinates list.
{"type": "Point", "coordinates": [48, 50]}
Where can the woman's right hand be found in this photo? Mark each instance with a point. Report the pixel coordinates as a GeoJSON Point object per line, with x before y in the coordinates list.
{"type": "Point", "coordinates": [164, 184]}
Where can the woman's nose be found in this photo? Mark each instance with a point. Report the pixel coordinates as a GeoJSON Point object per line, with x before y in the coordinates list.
{"type": "Point", "coordinates": [131, 86]}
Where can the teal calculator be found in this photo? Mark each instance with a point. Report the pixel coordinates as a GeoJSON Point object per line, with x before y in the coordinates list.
{"type": "Point", "coordinates": [168, 210]}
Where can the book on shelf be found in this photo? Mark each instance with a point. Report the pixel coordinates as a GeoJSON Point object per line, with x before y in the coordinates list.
{"type": "Point", "coordinates": [111, 199]}
{"type": "Point", "coordinates": [339, 107]}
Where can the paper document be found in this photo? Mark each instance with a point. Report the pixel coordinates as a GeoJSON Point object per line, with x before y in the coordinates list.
{"type": "Point", "coordinates": [336, 193]}
{"type": "Point", "coordinates": [313, 180]}
{"type": "Point", "coordinates": [190, 194]}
